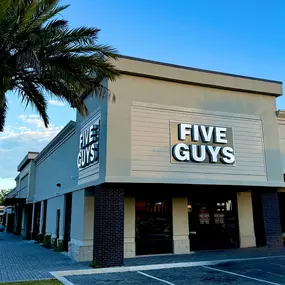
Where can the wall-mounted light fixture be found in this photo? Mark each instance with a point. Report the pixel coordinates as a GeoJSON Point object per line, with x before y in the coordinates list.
{"type": "Point", "coordinates": [58, 185]}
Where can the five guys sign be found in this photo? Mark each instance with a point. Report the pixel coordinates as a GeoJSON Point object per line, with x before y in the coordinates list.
{"type": "Point", "coordinates": [201, 144]}
{"type": "Point", "coordinates": [89, 145]}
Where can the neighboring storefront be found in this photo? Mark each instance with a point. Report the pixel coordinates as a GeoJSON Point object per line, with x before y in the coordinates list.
{"type": "Point", "coordinates": [20, 199]}
{"type": "Point", "coordinates": [173, 160]}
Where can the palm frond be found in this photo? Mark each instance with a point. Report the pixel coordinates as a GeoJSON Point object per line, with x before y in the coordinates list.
{"type": "Point", "coordinates": [41, 56]}
{"type": "Point", "coordinates": [46, 10]}
{"type": "Point", "coordinates": [60, 90]}
{"type": "Point", "coordinates": [55, 24]}
{"type": "Point", "coordinates": [4, 5]}
{"type": "Point", "coordinates": [31, 95]}
{"type": "Point", "coordinates": [82, 35]}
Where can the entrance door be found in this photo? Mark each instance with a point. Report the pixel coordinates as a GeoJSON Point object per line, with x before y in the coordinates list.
{"type": "Point", "coordinates": [153, 226]}
{"type": "Point", "coordinates": [67, 225]}
{"type": "Point", "coordinates": [213, 222]}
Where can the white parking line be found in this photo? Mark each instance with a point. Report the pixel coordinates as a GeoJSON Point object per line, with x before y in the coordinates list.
{"type": "Point", "coordinates": [280, 275]}
{"type": "Point", "coordinates": [280, 265]}
{"type": "Point", "coordinates": [153, 277]}
{"type": "Point", "coordinates": [241, 275]}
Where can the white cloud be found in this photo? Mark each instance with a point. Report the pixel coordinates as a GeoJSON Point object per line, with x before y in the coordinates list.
{"type": "Point", "coordinates": [2, 150]}
{"type": "Point", "coordinates": [16, 141]}
{"type": "Point", "coordinates": [32, 119]}
{"type": "Point", "coordinates": [34, 116]}
{"type": "Point", "coordinates": [24, 128]}
{"type": "Point", "coordinates": [56, 103]}
{"type": "Point", "coordinates": [7, 183]}
{"type": "Point", "coordinates": [25, 134]}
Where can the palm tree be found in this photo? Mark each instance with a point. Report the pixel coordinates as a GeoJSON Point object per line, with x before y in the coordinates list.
{"type": "Point", "coordinates": [41, 56]}
{"type": "Point", "coordinates": [3, 192]}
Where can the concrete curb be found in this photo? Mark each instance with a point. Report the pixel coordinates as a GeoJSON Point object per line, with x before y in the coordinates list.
{"type": "Point", "coordinates": [62, 279]}
{"type": "Point", "coordinates": [57, 274]}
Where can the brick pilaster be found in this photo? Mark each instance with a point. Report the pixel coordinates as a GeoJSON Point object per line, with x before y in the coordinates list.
{"type": "Point", "coordinates": [108, 249]}
{"type": "Point", "coordinates": [271, 217]}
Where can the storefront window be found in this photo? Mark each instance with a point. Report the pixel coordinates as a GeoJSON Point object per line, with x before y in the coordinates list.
{"type": "Point", "coordinates": [153, 226]}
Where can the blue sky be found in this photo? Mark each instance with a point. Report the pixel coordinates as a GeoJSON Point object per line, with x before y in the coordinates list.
{"type": "Point", "coordinates": [242, 37]}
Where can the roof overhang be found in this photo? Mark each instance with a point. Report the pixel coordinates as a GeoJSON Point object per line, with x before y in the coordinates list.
{"type": "Point", "coordinates": [193, 76]}
{"type": "Point", "coordinates": [30, 156]}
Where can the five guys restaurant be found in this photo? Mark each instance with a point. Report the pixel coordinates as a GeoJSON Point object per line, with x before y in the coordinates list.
{"type": "Point", "coordinates": [174, 160]}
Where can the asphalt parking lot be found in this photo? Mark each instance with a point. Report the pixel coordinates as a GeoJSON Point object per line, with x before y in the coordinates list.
{"type": "Point", "coordinates": [251, 272]}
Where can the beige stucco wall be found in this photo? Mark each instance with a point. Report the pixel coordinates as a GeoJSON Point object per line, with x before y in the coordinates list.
{"type": "Point", "coordinates": [129, 89]}
{"type": "Point", "coordinates": [52, 206]}
{"type": "Point", "coordinates": [245, 217]}
{"type": "Point", "coordinates": [181, 243]}
{"type": "Point", "coordinates": [281, 131]}
{"type": "Point", "coordinates": [88, 218]}
{"type": "Point", "coordinates": [77, 215]}
{"type": "Point", "coordinates": [129, 227]}
{"type": "Point", "coordinates": [82, 226]}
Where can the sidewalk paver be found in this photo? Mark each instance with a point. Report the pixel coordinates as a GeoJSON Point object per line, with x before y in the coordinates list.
{"type": "Point", "coordinates": [23, 260]}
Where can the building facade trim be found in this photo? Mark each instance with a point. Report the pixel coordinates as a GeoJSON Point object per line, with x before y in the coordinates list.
{"type": "Point", "coordinates": [30, 155]}
{"type": "Point", "coordinates": [198, 69]}
{"type": "Point", "coordinates": [184, 75]}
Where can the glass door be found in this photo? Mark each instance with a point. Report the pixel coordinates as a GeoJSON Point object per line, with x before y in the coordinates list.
{"type": "Point", "coordinates": [212, 223]}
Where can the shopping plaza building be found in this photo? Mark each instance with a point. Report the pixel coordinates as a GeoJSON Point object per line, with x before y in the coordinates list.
{"type": "Point", "coordinates": [173, 160]}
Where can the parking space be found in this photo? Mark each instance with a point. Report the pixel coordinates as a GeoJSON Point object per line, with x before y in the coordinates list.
{"type": "Point", "coordinates": [252, 272]}
{"type": "Point", "coordinates": [182, 276]}
{"type": "Point", "coordinates": [269, 270]}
